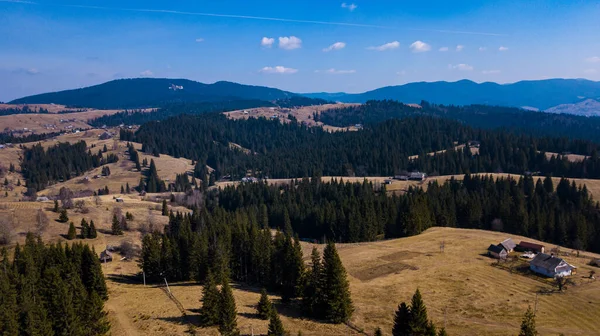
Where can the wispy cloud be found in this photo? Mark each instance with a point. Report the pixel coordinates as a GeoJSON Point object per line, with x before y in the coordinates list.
{"type": "Point", "coordinates": [482, 48]}
{"type": "Point", "coordinates": [503, 48]}
{"type": "Point", "coordinates": [335, 46]}
{"type": "Point", "coordinates": [594, 59]}
{"type": "Point", "coordinates": [461, 67]}
{"type": "Point", "coordinates": [290, 43]}
{"type": "Point", "coordinates": [401, 73]}
{"type": "Point", "coordinates": [146, 73]}
{"type": "Point", "coordinates": [264, 18]}
{"type": "Point", "coordinates": [350, 7]}
{"type": "Point", "coordinates": [278, 70]}
{"type": "Point", "coordinates": [387, 46]}
{"type": "Point", "coordinates": [20, 1]}
{"type": "Point", "coordinates": [419, 46]}
{"type": "Point", "coordinates": [460, 47]}
{"type": "Point", "coordinates": [199, 40]}
{"type": "Point", "coordinates": [333, 71]}
{"type": "Point", "coordinates": [443, 49]}
{"type": "Point", "coordinates": [26, 71]}
{"type": "Point", "coordinates": [590, 71]}
{"type": "Point", "coordinates": [267, 42]}
{"type": "Point", "coordinates": [490, 72]}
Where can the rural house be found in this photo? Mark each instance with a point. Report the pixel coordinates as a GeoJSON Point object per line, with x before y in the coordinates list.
{"type": "Point", "coordinates": [550, 266]}
{"type": "Point", "coordinates": [497, 251]}
{"type": "Point", "coordinates": [508, 245]}
{"type": "Point", "coordinates": [106, 256]}
{"type": "Point", "coordinates": [527, 246]}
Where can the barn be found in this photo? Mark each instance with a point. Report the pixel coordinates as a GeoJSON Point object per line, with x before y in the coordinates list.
{"type": "Point", "coordinates": [497, 251]}
{"type": "Point", "coordinates": [550, 266]}
{"type": "Point", "coordinates": [527, 246]}
{"type": "Point", "coordinates": [106, 256]}
{"type": "Point", "coordinates": [508, 245]}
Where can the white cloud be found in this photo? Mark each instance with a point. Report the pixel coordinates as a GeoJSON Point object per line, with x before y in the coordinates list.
{"type": "Point", "coordinates": [290, 43]}
{"type": "Point", "coordinates": [482, 48]}
{"type": "Point", "coordinates": [443, 49]}
{"type": "Point", "coordinates": [350, 7]}
{"type": "Point", "coordinates": [387, 46]}
{"type": "Point", "coordinates": [461, 67]}
{"type": "Point", "coordinates": [460, 47]}
{"type": "Point", "coordinates": [199, 40]}
{"type": "Point", "coordinates": [32, 71]}
{"type": "Point", "coordinates": [419, 46]}
{"type": "Point", "coordinates": [335, 46]}
{"type": "Point", "coordinates": [490, 72]}
{"type": "Point", "coordinates": [278, 70]}
{"type": "Point", "coordinates": [503, 48]}
{"type": "Point", "coordinates": [333, 71]}
{"type": "Point", "coordinates": [267, 42]}
{"type": "Point", "coordinates": [401, 73]}
{"type": "Point", "coordinates": [594, 59]}
{"type": "Point", "coordinates": [146, 73]}
{"type": "Point", "coordinates": [590, 71]}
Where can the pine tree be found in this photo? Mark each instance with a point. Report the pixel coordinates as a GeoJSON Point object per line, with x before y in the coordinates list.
{"type": "Point", "coordinates": [312, 300]}
{"type": "Point", "coordinates": [96, 317]}
{"type": "Point", "coordinates": [127, 189]}
{"type": "Point", "coordinates": [418, 315]}
{"type": "Point", "coordinates": [528, 324]}
{"type": "Point", "coordinates": [275, 325]}
{"type": "Point", "coordinates": [228, 316]}
{"type": "Point", "coordinates": [72, 234]}
{"type": "Point", "coordinates": [92, 233]}
{"type": "Point", "coordinates": [210, 311]}
{"type": "Point", "coordinates": [55, 206]}
{"type": "Point", "coordinates": [293, 269]}
{"type": "Point", "coordinates": [265, 306]}
{"type": "Point", "coordinates": [85, 229]}
{"type": "Point", "coordinates": [9, 323]}
{"type": "Point", "coordinates": [117, 230]}
{"type": "Point", "coordinates": [402, 321]}
{"type": "Point", "coordinates": [165, 208]}
{"type": "Point", "coordinates": [442, 332]}
{"type": "Point", "coordinates": [378, 332]}
{"type": "Point", "coordinates": [63, 217]}
{"type": "Point", "coordinates": [122, 189]}
{"type": "Point", "coordinates": [336, 290]}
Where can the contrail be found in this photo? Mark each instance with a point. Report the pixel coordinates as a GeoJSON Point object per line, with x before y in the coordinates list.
{"type": "Point", "coordinates": [263, 18]}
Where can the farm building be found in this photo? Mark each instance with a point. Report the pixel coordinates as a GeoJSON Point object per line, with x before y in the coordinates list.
{"type": "Point", "coordinates": [595, 262]}
{"type": "Point", "coordinates": [550, 266]}
{"type": "Point", "coordinates": [401, 177]}
{"type": "Point", "coordinates": [105, 136]}
{"type": "Point", "coordinates": [42, 199]}
{"type": "Point", "coordinates": [119, 200]}
{"type": "Point", "coordinates": [497, 251]}
{"type": "Point", "coordinates": [508, 245]}
{"type": "Point", "coordinates": [527, 246]}
{"type": "Point", "coordinates": [417, 176]}
{"type": "Point", "coordinates": [106, 256]}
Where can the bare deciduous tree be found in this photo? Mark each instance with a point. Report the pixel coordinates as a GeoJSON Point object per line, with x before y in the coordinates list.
{"type": "Point", "coordinates": [41, 221]}
{"type": "Point", "coordinates": [127, 249]}
{"type": "Point", "coordinates": [80, 207]}
{"type": "Point", "coordinates": [7, 227]}
{"type": "Point", "coordinates": [65, 195]}
{"type": "Point", "coordinates": [97, 200]}
{"type": "Point", "coordinates": [497, 225]}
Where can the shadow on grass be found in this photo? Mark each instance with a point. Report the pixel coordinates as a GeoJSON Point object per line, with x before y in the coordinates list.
{"type": "Point", "coordinates": [126, 279]}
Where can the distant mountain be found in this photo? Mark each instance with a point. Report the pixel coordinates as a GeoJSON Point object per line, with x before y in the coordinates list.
{"type": "Point", "coordinates": [150, 92]}
{"type": "Point", "coordinates": [588, 108]}
{"type": "Point", "coordinates": [537, 94]}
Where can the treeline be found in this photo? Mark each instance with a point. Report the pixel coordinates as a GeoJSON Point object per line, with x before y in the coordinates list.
{"type": "Point", "coordinates": [294, 150]}
{"type": "Point", "coordinates": [22, 110]}
{"type": "Point", "coordinates": [60, 162]}
{"type": "Point", "coordinates": [52, 290]}
{"type": "Point", "coordinates": [355, 212]}
{"type": "Point", "coordinates": [481, 116]}
{"type": "Point", "coordinates": [12, 138]}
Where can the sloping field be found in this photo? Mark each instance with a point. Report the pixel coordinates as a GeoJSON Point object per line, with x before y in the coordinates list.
{"type": "Point", "coordinates": [462, 289]}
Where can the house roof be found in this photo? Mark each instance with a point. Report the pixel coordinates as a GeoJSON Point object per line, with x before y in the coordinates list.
{"type": "Point", "coordinates": [508, 244]}
{"type": "Point", "coordinates": [495, 248]}
{"type": "Point", "coordinates": [525, 244]}
{"type": "Point", "coordinates": [547, 262]}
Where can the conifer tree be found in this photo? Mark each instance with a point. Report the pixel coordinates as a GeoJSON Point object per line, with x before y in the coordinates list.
{"type": "Point", "coordinates": [165, 208]}
{"type": "Point", "coordinates": [127, 189]}
{"type": "Point", "coordinates": [122, 189]}
{"type": "Point", "coordinates": [336, 289]}
{"type": "Point", "coordinates": [528, 324]}
{"type": "Point", "coordinates": [293, 269]}
{"type": "Point", "coordinates": [265, 306]}
{"type": "Point", "coordinates": [419, 323]}
{"type": "Point", "coordinates": [312, 300]}
{"type": "Point", "coordinates": [9, 323]}
{"type": "Point", "coordinates": [442, 332]}
{"type": "Point", "coordinates": [210, 312]}
{"type": "Point", "coordinates": [85, 229]}
{"type": "Point", "coordinates": [228, 316]}
{"type": "Point", "coordinates": [92, 234]}
{"type": "Point", "coordinates": [55, 206]}
{"type": "Point", "coordinates": [63, 217]}
{"type": "Point", "coordinates": [275, 325]}
{"type": "Point", "coordinates": [378, 332]}
{"type": "Point", "coordinates": [402, 321]}
{"type": "Point", "coordinates": [116, 228]}
{"type": "Point", "coordinates": [72, 234]}
{"type": "Point", "coordinates": [96, 317]}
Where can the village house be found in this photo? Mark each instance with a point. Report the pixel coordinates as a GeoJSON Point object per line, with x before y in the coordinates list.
{"type": "Point", "coordinates": [106, 256]}
{"type": "Point", "coordinates": [550, 266]}
{"type": "Point", "coordinates": [417, 176]}
{"type": "Point", "coordinates": [532, 247]}
{"type": "Point", "coordinates": [497, 251]}
{"type": "Point", "coordinates": [508, 245]}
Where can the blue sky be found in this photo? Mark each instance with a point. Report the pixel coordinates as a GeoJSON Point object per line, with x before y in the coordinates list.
{"type": "Point", "coordinates": [301, 46]}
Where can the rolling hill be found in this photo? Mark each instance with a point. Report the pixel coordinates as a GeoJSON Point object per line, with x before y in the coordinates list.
{"type": "Point", "coordinates": [151, 92]}
{"type": "Point", "coordinates": [540, 94]}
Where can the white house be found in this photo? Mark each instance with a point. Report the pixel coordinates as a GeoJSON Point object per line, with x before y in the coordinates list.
{"type": "Point", "coordinates": [550, 265]}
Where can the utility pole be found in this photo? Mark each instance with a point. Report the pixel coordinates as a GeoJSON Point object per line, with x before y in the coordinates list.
{"type": "Point", "coordinates": [144, 276]}
{"type": "Point", "coordinates": [167, 285]}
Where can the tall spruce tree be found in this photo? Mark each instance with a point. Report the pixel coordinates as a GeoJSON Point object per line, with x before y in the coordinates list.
{"type": "Point", "coordinates": [419, 323]}
{"type": "Point", "coordinates": [442, 332]}
{"type": "Point", "coordinates": [85, 229]}
{"type": "Point", "coordinates": [293, 269]}
{"type": "Point", "coordinates": [92, 234]}
{"type": "Point", "coordinates": [116, 228]}
{"type": "Point", "coordinates": [9, 322]}
{"type": "Point", "coordinates": [264, 306]}
{"type": "Point", "coordinates": [165, 208]}
{"type": "Point", "coordinates": [63, 216]}
{"type": "Point", "coordinates": [72, 233]}
{"type": "Point", "coordinates": [275, 325]}
{"type": "Point", "coordinates": [312, 300]}
{"type": "Point", "coordinates": [402, 321]}
{"type": "Point", "coordinates": [210, 312]}
{"type": "Point", "coordinates": [378, 332]}
{"type": "Point", "coordinates": [528, 325]}
{"type": "Point", "coordinates": [228, 314]}
{"type": "Point", "coordinates": [336, 289]}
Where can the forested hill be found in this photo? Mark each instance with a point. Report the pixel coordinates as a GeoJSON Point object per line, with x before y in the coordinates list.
{"type": "Point", "coordinates": [293, 150]}
{"type": "Point", "coordinates": [152, 92]}
{"type": "Point", "coordinates": [481, 116]}
{"type": "Point", "coordinates": [541, 94]}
